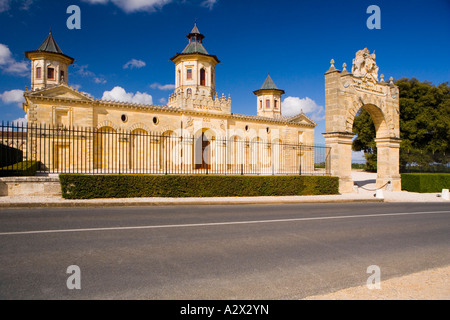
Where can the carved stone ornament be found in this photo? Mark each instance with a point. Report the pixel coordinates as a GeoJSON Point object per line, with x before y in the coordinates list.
{"type": "Point", "coordinates": [364, 66]}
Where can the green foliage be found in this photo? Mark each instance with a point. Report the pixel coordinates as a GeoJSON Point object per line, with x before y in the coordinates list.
{"type": "Point", "coordinates": [425, 182]}
{"type": "Point", "coordinates": [424, 122]}
{"type": "Point", "coordinates": [365, 129]}
{"type": "Point", "coordinates": [76, 186]}
{"type": "Point", "coordinates": [424, 126]}
{"type": "Point", "coordinates": [25, 168]}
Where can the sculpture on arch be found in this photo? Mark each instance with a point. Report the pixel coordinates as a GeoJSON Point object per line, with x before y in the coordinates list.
{"type": "Point", "coordinates": [364, 65]}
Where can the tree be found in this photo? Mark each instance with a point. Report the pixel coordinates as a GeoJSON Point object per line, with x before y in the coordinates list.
{"type": "Point", "coordinates": [365, 129]}
{"type": "Point", "coordinates": [424, 125]}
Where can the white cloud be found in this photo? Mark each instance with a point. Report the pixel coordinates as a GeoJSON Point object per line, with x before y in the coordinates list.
{"type": "Point", "coordinates": [134, 5]}
{"type": "Point", "coordinates": [163, 101]}
{"type": "Point", "coordinates": [292, 106]}
{"type": "Point", "coordinates": [20, 121]}
{"type": "Point", "coordinates": [26, 4]}
{"type": "Point", "coordinates": [133, 63]}
{"type": "Point", "coordinates": [13, 96]}
{"type": "Point", "coordinates": [84, 72]}
{"type": "Point", "coordinates": [9, 65]}
{"type": "Point", "coordinates": [119, 94]}
{"type": "Point", "coordinates": [209, 3]}
{"type": "Point", "coordinates": [159, 86]}
{"type": "Point", "coordinates": [96, 1]}
{"type": "Point", "coordinates": [4, 5]}
{"type": "Point", "coordinates": [130, 6]}
{"type": "Point", "coordinates": [358, 157]}
{"type": "Point", "coordinates": [98, 80]}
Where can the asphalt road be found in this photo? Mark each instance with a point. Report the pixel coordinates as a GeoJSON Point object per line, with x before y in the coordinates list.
{"type": "Point", "coordinates": [216, 252]}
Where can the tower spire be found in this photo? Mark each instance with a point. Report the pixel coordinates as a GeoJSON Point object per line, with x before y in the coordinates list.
{"type": "Point", "coordinates": [49, 64]}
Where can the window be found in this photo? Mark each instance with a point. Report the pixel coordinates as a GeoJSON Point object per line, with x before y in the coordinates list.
{"type": "Point", "coordinates": [51, 73]}
{"type": "Point", "coordinates": [38, 73]}
{"type": "Point", "coordinates": [179, 77]}
{"type": "Point", "coordinates": [189, 74]}
{"type": "Point", "coordinates": [202, 77]}
{"type": "Point", "coordinates": [260, 104]}
{"type": "Point", "coordinates": [61, 76]}
{"type": "Point", "coordinates": [267, 103]}
{"type": "Point", "coordinates": [124, 118]}
{"type": "Point", "coordinates": [275, 104]}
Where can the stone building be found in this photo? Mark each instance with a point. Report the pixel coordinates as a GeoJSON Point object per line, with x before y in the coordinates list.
{"type": "Point", "coordinates": [194, 110]}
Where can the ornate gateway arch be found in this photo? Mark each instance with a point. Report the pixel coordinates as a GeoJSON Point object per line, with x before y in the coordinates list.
{"type": "Point", "coordinates": [345, 94]}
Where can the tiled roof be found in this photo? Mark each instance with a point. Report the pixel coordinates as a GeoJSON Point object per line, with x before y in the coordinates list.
{"type": "Point", "coordinates": [50, 45]}
{"type": "Point", "coordinates": [195, 47]}
{"type": "Point", "coordinates": [268, 84]}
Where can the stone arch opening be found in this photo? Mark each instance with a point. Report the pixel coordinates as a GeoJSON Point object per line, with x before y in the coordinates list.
{"type": "Point", "coordinates": [345, 95]}
{"type": "Point", "coordinates": [105, 149]}
{"type": "Point", "coordinates": [169, 152]}
{"type": "Point", "coordinates": [139, 152]}
{"type": "Point", "coordinates": [235, 153]}
{"type": "Point", "coordinates": [203, 142]}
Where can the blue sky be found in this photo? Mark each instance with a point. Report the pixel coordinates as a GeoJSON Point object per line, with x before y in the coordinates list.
{"type": "Point", "coordinates": [128, 44]}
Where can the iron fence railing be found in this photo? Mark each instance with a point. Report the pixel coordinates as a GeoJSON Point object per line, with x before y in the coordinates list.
{"type": "Point", "coordinates": [109, 151]}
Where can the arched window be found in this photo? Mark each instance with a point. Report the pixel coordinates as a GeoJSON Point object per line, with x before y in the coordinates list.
{"type": "Point", "coordinates": [189, 91]}
{"type": "Point", "coordinates": [38, 73]}
{"type": "Point", "coordinates": [202, 77]}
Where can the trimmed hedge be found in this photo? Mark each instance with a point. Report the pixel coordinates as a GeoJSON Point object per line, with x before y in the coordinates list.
{"type": "Point", "coordinates": [21, 169]}
{"type": "Point", "coordinates": [425, 182]}
{"type": "Point", "coordinates": [76, 186]}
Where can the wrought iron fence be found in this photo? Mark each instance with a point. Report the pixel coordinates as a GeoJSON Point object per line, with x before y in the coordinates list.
{"type": "Point", "coordinates": [108, 151]}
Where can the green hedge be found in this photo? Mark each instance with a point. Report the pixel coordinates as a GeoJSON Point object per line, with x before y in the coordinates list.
{"type": "Point", "coordinates": [25, 168]}
{"type": "Point", "coordinates": [76, 186]}
{"type": "Point", "coordinates": [425, 182]}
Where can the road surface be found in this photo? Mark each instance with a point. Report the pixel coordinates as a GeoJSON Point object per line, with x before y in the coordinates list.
{"type": "Point", "coordinates": [216, 252]}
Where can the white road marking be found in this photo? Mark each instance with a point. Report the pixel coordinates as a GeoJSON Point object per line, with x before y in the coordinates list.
{"type": "Point", "coordinates": [219, 223]}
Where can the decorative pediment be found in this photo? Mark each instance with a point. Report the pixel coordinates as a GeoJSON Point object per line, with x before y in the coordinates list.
{"type": "Point", "coordinates": [302, 119]}
{"type": "Point", "coordinates": [60, 92]}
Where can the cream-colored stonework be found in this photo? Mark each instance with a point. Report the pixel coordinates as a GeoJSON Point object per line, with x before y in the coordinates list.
{"type": "Point", "coordinates": [194, 108]}
{"type": "Point", "coordinates": [345, 94]}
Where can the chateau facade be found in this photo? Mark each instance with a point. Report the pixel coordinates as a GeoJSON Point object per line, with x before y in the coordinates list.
{"type": "Point", "coordinates": [194, 109]}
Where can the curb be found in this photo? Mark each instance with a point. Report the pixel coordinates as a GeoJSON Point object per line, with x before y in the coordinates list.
{"type": "Point", "coordinates": [81, 203]}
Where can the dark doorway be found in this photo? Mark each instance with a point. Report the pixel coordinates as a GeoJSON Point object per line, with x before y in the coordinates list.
{"type": "Point", "coordinates": [202, 152]}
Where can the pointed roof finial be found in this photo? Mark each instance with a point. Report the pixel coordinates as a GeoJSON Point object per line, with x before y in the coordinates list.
{"type": "Point", "coordinates": [195, 29]}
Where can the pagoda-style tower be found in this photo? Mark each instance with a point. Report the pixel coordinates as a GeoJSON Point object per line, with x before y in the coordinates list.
{"type": "Point", "coordinates": [269, 99]}
{"type": "Point", "coordinates": [195, 77]}
{"type": "Point", "coordinates": [49, 65]}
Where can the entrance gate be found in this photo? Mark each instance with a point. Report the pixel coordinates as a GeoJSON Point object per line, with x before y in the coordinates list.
{"type": "Point", "coordinates": [345, 94]}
